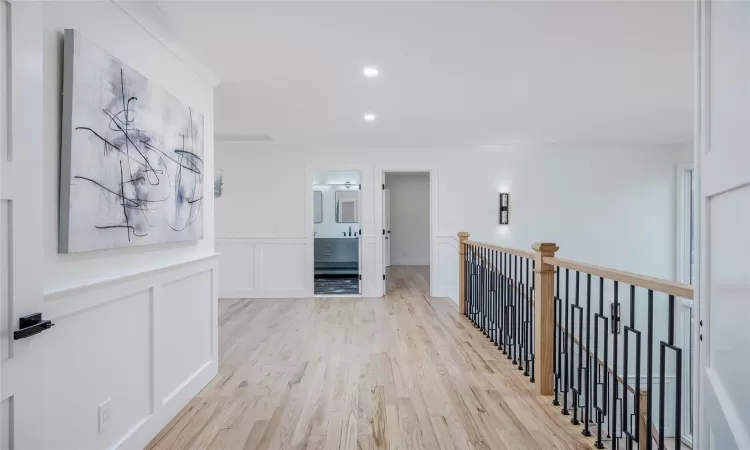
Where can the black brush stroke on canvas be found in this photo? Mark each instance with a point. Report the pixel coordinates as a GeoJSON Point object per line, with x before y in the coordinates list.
{"type": "Point", "coordinates": [142, 165]}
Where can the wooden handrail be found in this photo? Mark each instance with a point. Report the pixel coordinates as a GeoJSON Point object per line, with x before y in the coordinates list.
{"type": "Point", "coordinates": [512, 251]}
{"type": "Point", "coordinates": [655, 284]}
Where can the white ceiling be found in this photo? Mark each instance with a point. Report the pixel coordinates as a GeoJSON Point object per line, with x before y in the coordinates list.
{"type": "Point", "coordinates": [453, 74]}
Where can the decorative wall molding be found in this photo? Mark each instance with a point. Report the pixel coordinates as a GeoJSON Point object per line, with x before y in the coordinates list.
{"type": "Point", "coordinates": [264, 267]}
{"type": "Point", "coordinates": [88, 295]}
{"type": "Point", "coordinates": [142, 318]}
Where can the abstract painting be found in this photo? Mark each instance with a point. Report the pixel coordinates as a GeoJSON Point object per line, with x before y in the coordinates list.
{"type": "Point", "coordinates": [131, 165]}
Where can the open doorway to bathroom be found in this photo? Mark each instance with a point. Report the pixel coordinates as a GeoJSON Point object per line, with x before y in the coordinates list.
{"type": "Point", "coordinates": [336, 232]}
{"type": "Point", "coordinates": [406, 231]}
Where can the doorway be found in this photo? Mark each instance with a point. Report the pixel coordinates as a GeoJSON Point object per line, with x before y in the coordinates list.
{"type": "Point", "coordinates": [337, 243]}
{"type": "Point", "coordinates": [406, 231]}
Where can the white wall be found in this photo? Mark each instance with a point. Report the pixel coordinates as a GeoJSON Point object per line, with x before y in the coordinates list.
{"type": "Point", "coordinates": [608, 206]}
{"type": "Point", "coordinates": [145, 54]}
{"type": "Point", "coordinates": [137, 326]}
{"type": "Point", "coordinates": [410, 218]}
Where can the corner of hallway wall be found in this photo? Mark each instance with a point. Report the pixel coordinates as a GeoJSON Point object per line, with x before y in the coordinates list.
{"type": "Point", "coordinates": [137, 325]}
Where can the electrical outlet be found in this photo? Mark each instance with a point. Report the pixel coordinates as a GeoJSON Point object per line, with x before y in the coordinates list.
{"type": "Point", "coordinates": [104, 415]}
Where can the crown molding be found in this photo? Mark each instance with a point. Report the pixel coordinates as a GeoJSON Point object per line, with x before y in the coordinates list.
{"type": "Point", "coordinates": [135, 11]}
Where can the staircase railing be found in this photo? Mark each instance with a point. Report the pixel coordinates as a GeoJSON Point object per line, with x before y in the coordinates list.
{"type": "Point", "coordinates": [561, 323]}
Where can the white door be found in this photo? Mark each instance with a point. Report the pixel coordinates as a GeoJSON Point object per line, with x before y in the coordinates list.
{"type": "Point", "coordinates": [723, 136]}
{"type": "Point", "coordinates": [21, 251]}
{"type": "Point", "coordinates": [360, 240]}
{"type": "Point", "coordinates": [387, 227]}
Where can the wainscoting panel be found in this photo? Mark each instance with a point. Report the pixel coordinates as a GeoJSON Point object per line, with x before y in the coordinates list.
{"type": "Point", "coordinates": [184, 343]}
{"type": "Point", "coordinates": [145, 342]}
{"type": "Point", "coordinates": [238, 263]}
{"type": "Point", "coordinates": [263, 267]}
{"type": "Point", "coordinates": [97, 354]}
{"type": "Point", "coordinates": [282, 267]}
{"type": "Point", "coordinates": [372, 281]}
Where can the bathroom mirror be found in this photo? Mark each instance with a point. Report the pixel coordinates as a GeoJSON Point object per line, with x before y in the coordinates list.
{"type": "Point", "coordinates": [347, 207]}
{"type": "Point", "coordinates": [318, 195]}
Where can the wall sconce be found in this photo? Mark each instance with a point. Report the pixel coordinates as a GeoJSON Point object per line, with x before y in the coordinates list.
{"type": "Point", "coordinates": [504, 204]}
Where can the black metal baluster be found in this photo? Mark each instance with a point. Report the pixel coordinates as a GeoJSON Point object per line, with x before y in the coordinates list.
{"type": "Point", "coordinates": [600, 405]}
{"type": "Point", "coordinates": [662, 380]}
{"type": "Point", "coordinates": [470, 306]}
{"type": "Point", "coordinates": [500, 297]}
{"type": "Point", "coordinates": [586, 396]}
{"type": "Point", "coordinates": [475, 309]}
{"type": "Point", "coordinates": [615, 383]}
{"type": "Point", "coordinates": [575, 381]}
{"type": "Point", "coordinates": [473, 285]}
{"type": "Point", "coordinates": [483, 318]}
{"type": "Point", "coordinates": [649, 370]}
{"type": "Point", "coordinates": [514, 316]}
{"type": "Point", "coordinates": [470, 283]}
{"type": "Point", "coordinates": [482, 291]}
{"type": "Point", "coordinates": [662, 393]}
{"type": "Point", "coordinates": [519, 313]}
{"type": "Point", "coordinates": [670, 329]}
{"type": "Point", "coordinates": [487, 294]}
{"type": "Point", "coordinates": [509, 309]}
{"type": "Point", "coordinates": [527, 322]}
{"type": "Point", "coordinates": [511, 299]}
{"type": "Point", "coordinates": [556, 336]}
{"type": "Point", "coordinates": [466, 279]}
{"type": "Point", "coordinates": [532, 332]}
{"type": "Point", "coordinates": [493, 338]}
{"type": "Point", "coordinates": [566, 382]}
{"type": "Point", "coordinates": [632, 434]}
{"type": "Point", "coordinates": [497, 298]}
{"type": "Point", "coordinates": [504, 293]}
{"type": "Point", "coordinates": [678, 398]}
{"type": "Point", "coordinates": [491, 295]}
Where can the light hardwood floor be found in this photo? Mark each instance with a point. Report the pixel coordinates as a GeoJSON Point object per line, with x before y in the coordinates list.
{"type": "Point", "coordinates": [400, 372]}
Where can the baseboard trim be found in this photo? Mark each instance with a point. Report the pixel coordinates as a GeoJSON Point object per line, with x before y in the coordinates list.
{"type": "Point", "coordinates": [411, 262]}
{"type": "Point", "coordinates": [269, 293]}
{"type": "Point", "coordinates": [150, 426]}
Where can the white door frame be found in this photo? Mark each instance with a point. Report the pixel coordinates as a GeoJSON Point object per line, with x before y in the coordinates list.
{"type": "Point", "coordinates": [432, 171]}
{"type": "Point", "coordinates": [365, 211]}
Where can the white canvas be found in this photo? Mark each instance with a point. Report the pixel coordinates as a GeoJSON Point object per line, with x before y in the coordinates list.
{"type": "Point", "coordinates": [132, 156]}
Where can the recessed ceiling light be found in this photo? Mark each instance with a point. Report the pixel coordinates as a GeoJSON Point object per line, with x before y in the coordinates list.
{"type": "Point", "coordinates": [369, 117]}
{"type": "Point", "coordinates": [370, 71]}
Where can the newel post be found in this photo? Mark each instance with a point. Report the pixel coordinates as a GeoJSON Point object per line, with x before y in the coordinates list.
{"type": "Point", "coordinates": [544, 313]}
{"type": "Point", "coordinates": [462, 237]}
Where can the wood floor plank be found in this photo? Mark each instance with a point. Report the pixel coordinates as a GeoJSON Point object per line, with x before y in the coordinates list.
{"type": "Point", "coordinates": [401, 372]}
